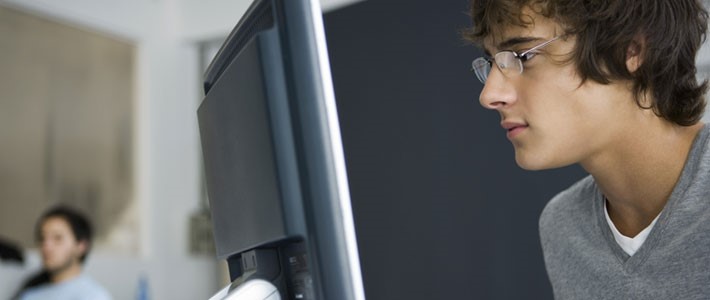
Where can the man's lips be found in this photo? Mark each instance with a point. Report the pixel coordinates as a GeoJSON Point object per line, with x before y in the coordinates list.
{"type": "Point", "coordinates": [514, 128]}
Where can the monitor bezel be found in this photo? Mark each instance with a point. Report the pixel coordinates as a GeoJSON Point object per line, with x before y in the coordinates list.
{"type": "Point", "coordinates": [322, 178]}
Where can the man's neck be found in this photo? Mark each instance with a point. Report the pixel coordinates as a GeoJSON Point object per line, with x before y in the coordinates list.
{"type": "Point", "coordinates": [69, 273]}
{"type": "Point", "coordinates": [638, 173]}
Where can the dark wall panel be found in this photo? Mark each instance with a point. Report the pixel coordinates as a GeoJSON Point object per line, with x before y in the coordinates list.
{"type": "Point", "coordinates": [441, 209]}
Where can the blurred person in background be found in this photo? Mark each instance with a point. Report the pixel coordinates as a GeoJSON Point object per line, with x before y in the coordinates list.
{"type": "Point", "coordinates": [64, 237]}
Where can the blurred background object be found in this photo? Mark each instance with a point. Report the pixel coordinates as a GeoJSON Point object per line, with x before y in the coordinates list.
{"type": "Point", "coordinates": [11, 252]}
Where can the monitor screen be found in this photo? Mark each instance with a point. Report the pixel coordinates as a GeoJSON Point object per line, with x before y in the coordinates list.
{"type": "Point", "coordinates": [274, 163]}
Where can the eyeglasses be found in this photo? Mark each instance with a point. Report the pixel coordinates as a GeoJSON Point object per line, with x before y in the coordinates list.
{"type": "Point", "coordinates": [508, 62]}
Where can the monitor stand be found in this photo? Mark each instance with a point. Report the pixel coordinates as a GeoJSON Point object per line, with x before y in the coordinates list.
{"type": "Point", "coordinates": [274, 272]}
{"type": "Point", "coordinates": [254, 289]}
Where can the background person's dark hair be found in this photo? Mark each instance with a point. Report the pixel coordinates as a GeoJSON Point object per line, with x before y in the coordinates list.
{"type": "Point", "coordinates": [668, 33]}
{"type": "Point", "coordinates": [80, 225]}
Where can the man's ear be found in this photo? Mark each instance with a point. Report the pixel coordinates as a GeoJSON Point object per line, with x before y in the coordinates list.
{"type": "Point", "coordinates": [83, 247]}
{"type": "Point", "coordinates": [634, 54]}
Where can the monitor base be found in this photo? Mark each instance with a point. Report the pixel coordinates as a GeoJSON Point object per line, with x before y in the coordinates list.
{"type": "Point", "coordinates": [254, 289]}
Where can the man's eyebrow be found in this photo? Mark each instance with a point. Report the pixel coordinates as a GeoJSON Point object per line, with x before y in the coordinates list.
{"type": "Point", "coordinates": [510, 42]}
{"type": "Point", "coordinates": [514, 41]}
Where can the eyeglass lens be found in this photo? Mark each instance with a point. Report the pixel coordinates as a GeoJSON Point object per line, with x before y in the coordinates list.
{"type": "Point", "coordinates": [507, 62]}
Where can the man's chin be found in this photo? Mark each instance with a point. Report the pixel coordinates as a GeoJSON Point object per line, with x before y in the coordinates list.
{"type": "Point", "coordinates": [56, 268]}
{"type": "Point", "coordinates": [530, 162]}
{"type": "Point", "coordinates": [527, 162]}
{"type": "Point", "coordinates": [51, 269]}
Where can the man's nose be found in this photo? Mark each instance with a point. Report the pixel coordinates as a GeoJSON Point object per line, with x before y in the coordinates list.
{"type": "Point", "coordinates": [498, 92]}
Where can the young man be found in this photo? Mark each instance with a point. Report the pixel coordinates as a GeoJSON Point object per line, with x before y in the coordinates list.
{"type": "Point", "coordinates": [64, 236]}
{"type": "Point", "coordinates": [610, 85]}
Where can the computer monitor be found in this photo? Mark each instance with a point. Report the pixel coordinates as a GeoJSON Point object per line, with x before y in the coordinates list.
{"type": "Point", "coordinates": [274, 163]}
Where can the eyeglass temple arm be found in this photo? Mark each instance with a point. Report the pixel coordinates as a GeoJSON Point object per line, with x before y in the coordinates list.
{"type": "Point", "coordinates": [539, 46]}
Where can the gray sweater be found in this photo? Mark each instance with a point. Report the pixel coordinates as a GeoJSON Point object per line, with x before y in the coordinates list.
{"type": "Point", "coordinates": [584, 261]}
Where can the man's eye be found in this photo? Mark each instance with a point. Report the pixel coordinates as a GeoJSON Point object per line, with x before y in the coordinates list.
{"type": "Point", "coordinates": [527, 56]}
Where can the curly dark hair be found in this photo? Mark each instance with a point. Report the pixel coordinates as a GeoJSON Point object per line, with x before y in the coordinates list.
{"type": "Point", "coordinates": [670, 33]}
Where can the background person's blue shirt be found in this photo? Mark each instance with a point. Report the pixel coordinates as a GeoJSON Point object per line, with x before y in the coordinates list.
{"type": "Point", "coordinates": [80, 288]}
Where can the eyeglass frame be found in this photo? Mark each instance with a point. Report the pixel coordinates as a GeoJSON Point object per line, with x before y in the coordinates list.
{"type": "Point", "coordinates": [521, 58]}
